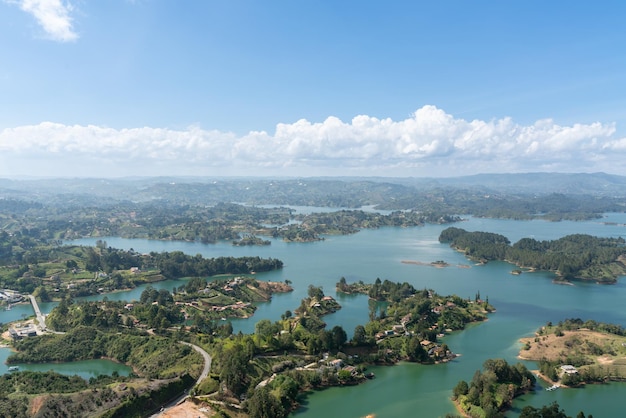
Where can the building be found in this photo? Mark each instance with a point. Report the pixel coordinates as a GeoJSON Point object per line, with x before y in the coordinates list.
{"type": "Point", "coordinates": [569, 369]}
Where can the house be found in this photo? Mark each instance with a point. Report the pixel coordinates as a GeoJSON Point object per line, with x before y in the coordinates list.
{"type": "Point", "coordinates": [19, 332]}
{"type": "Point", "coordinates": [337, 363]}
{"type": "Point", "coordinates": [438, 309]}
{"type": "Point", "coordinates": [569, 369]}
{"type": "Point", "coordinates": [13, 333]}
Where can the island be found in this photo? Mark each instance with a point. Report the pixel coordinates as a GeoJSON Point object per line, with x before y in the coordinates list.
{"type": "Point", "coordinates": [491, 392]}
{"type": "Point", "coordinates": [573, 257]}
{"type": "Point", "coordinates": [254, 375]}
{"type": "Point", "coordinates": [574, 352]}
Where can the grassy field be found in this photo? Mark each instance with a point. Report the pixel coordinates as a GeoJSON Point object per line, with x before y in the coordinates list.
{"type": "Point", "coordinates": [592, 348]}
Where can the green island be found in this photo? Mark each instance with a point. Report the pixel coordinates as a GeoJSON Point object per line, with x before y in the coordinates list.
{"type": "Point", "coordinates": [165, 335]}
{"type": "Point", "coordinates": [571, 353]}
{"type": "Point", "coordinates": [251, 239]}
{"type": "Point", "coordinates": [575, 352]}
{"type": "Point", "coordinates": [256, 375]}
{"type": "Point", "coordinates": [490, 393]}
{"type": "Point", "coordinates": [573, 257]}
{"type": "Point", "coordinates": [51, 271]}
{"type": "Point", "coordinates": [198, 211]}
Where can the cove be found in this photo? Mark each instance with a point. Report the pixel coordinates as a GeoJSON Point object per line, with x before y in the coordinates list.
{"type": "Point", "coordinates": [523, 303]}
{"type": "Point", "coordinates": [84, 368]}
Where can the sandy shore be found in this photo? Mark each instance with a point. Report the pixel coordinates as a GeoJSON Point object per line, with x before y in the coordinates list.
{"type": "Point", "coordinates": [460, 410]}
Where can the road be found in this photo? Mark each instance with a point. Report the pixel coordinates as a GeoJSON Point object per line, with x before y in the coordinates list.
{"type": "Point", "coordinates": [205, 372]}
{"type": "Point", "coordinates": [207, 361]}
{"type": "Point", "coordinates": [40, 318]}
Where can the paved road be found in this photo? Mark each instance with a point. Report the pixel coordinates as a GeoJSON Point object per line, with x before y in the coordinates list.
{"type": "Point", "coordinates": [40, 318]}
{"type": "Point", "coordinates": [205, 372]}
{"type": "Point", "coordinates": [207, 361]}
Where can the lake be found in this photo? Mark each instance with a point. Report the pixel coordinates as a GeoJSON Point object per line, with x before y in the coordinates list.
{"type": "Point", "coordinates": [85, 368]}
{"type": "Point", "coordinates": [524, 303]}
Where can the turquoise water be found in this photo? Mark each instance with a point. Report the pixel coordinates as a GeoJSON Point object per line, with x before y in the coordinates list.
{"type": "Point", "coordinates": [523, 304]}
{"type": "Point", "coordinates": [85, 369]}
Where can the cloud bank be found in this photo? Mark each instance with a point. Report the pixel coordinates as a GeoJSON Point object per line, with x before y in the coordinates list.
{"type": "Point", "coordinates": [53, 16]}
{"type": "Point", "coordinates": [429, 143]}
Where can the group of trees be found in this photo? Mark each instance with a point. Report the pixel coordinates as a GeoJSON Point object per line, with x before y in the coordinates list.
{"type": "Point", "coordinates": [573, 256]}
{"type": "Point", "coordinates": [548, 411]}
{"type": "Point", "coordinates": [491, 392]}
{"type": "Point", "coordinates": [390, 291]}
{"type": "Point", "coordinates": [152, 356]}
{"type": "Point", "coordinates": [573, 324]}
{"type": "Point", "coordinates": [177, 264]}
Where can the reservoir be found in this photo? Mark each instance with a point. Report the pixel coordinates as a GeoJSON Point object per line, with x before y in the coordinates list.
{"type": "Point", "coordinates": [85, 368]}
{"type": "Point", "coordinates": [523, 303]}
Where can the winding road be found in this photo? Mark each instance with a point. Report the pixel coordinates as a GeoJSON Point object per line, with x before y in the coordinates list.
{"type": "Point", "coordinates": [207, 361]}
{"type": "Point", "coordinates": [205, 372]}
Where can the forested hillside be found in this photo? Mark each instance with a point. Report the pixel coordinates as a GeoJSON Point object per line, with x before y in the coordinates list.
{"type": "Point", "coordinates": [576, 256]}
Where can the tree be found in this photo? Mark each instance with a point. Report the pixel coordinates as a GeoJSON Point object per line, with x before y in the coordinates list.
{"type": "Point", "coordinates": [548, 411]}
{"type": "Point", "coordinates": [339, 336]}
{"type": "Point", "coordinates": [42, 294]}
{"type": "Point", "coordinates": [461, 388]}
{"type": "Point", "coordinates": [315, 292]}
{"type": "Point", "coordinates": [344, 375]}
{"type": "Point", "coordinates": [234, 364]}
{"type": "Point", "coordinates": [342, 285]}
{"type": "Point", "coordinates": [263, 404]}
{"type": "Point", "coordinates": [264, 328]}
{"type": "Point", "coordinates": [414, 349]}
{"type": "Point", "coordinates": [359, 335]}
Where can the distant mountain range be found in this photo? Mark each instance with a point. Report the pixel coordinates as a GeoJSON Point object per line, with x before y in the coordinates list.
{"type": "Point", "coordinates": [542, 183]}
{"type": "Point", "coordinates": [313, 191]}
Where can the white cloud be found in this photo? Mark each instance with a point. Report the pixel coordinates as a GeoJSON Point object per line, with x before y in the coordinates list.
{"type": "Point", "coordinates": [53, 16]}
{"type": "Point", "coordinates": [429, 143]}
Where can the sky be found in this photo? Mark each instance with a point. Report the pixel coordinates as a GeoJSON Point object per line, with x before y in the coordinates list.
{"type": "Point", "coordinates": [311, 88]}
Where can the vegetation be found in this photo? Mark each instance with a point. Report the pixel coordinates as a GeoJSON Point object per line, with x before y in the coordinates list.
{"type": "Point", "coordinates": [261, 373]}
{"type": "Point", "coordinates": [250, 239]}
{"type": "Point", "coordinates": [54, 394]}
{"type": "Point", "coordinates": [358, 287]}
{"type": "Point", "coordinates": [548, 411]}
{"type": "Point", "coordinates": [491, 392]}
{"type": "Point", "coordinates": [151, 356]}
{"type": "Point", "coordinates": [596, 349]}
{"type": "Point", "coordinates": [60, 270]}
{"type": "Point", "coordinates": [575, 256]}
{"type": "Point", "coordinates": [200, 301]}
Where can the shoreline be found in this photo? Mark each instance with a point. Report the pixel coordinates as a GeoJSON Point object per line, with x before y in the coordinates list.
{"type": "Point", "coordinates": [460, 410]}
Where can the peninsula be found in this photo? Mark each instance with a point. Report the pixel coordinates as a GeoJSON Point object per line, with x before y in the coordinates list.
{"type": "Point", "coordinates": [574, 352]}
{"type": "Point", "coordinates": [573, 257]}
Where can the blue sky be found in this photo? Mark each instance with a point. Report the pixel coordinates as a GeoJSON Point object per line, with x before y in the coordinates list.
{"type": "Point", "coordinates": [311, 88]}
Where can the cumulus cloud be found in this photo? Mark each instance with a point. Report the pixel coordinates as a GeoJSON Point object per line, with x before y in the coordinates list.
{"type": "Point", "coordinates": [429, 143]}
{"type": "Point", "coordinates": [53, 16]}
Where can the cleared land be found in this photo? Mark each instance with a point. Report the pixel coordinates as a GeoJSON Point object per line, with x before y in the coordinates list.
{"type": "Point", "coordinates": [590, 347]}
